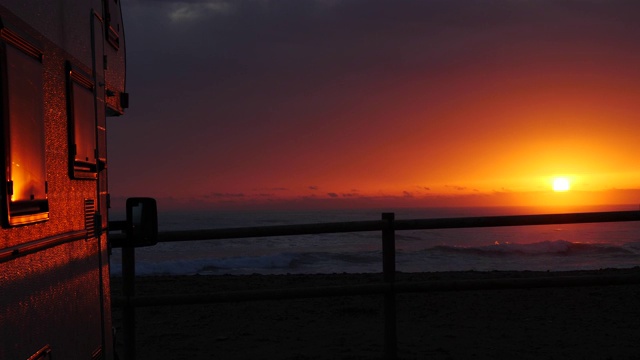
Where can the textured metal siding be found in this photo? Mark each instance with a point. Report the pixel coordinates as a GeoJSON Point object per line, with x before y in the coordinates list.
{"type": "Point", "coordinates": [60, 296]}
{"type": "Point", "coordinates": [52, 298]}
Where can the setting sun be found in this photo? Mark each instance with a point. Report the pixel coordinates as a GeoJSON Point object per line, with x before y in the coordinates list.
{"type": "Point", "coordinates": [561, 184]}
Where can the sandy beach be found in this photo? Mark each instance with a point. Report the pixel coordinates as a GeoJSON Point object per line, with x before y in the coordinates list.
{"type": "Point", "coordinates": [586, 322]}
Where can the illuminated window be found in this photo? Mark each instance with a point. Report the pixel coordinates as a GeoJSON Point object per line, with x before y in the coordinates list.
{"type": "Point", "coordinates": [82, 125]}
{"type": "Point", "coordinates": [25, 199]}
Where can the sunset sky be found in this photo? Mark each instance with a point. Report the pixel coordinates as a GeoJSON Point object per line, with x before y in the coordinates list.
{"type": "Point", "coordinates": [329, 103]}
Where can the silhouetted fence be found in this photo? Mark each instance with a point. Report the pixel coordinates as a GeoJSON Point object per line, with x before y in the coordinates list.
{"type": "Point", "coordinates": [388, 287]}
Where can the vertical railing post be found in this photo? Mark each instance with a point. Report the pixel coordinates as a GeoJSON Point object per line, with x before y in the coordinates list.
{"type": "Point", "coordinates": [389, 273]}
{"type": "Point", "coordinates": [128, 291]}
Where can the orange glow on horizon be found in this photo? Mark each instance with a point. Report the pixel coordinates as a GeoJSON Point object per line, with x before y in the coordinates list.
{"type": "Point", "coordinates": [487, 114]}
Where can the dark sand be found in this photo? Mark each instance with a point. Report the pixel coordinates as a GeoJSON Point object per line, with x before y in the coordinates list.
{"type": "Point", "coordinates": [589, 322]}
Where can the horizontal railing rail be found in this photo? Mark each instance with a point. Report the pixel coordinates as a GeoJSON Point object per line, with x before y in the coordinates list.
{"type": "Point", "coordinates": [389, 287]}
{"type": "Point", "coordinates": [378, 225]}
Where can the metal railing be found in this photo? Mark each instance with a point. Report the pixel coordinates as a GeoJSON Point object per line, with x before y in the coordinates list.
{"type": "Point", "coordinates": [388, 287]}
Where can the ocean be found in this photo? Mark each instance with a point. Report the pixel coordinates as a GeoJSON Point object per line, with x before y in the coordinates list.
{"type": "Point", "coordinates": [537, 248]}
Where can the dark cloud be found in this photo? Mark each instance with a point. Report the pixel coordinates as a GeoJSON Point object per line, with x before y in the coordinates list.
{"type": "Point", "coordinates": [333, 195]}
{"type": "Point", "coordinates": [313, 187]}
{"type": "Point", "coordinates": [457, 188]}
{"type": "Point", "coordinates": [218, 195]}
{"type": "Point", "coordinates": [272, 189]}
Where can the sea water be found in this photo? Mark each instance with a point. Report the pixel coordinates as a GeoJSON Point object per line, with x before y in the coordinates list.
{"type": "Point", "coordinates": [540, 248]}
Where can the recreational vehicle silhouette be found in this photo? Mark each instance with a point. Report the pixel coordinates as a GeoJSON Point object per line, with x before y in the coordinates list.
{"type": "Point", "coordinates": [62, 66]}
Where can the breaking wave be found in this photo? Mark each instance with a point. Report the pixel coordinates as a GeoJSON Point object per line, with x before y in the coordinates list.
{"type": "Point", "coordinates": [558, 247]}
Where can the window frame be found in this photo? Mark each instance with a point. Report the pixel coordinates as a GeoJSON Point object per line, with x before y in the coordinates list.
{"type": "Point", "coordinates": [80, 80]}
{"type": "Point", "coordinates": [34, 209]}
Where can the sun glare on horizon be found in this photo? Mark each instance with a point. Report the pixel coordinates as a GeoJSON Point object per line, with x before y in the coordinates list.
{"type": "Point", "coordinates": [561, 184]}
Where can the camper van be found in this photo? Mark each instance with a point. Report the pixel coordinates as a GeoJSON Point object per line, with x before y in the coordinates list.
{"type": "Point", "coordinates": [62, 73]}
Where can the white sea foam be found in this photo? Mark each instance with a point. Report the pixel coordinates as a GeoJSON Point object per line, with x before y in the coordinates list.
{"type": "Point", "coordinates": [556, 255]}
{"type": "Point", "coordinates": [237, 265]}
